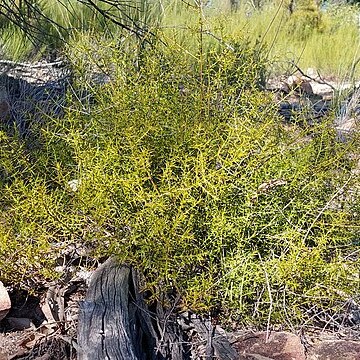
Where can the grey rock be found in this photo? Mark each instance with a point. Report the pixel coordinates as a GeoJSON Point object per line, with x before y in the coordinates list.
{"type": "Point", "coordinates": [19, 323]}
{"type": "Point", "coordinates": [335, 350]}
{"type": "Point", "coordinates": [5, 303]}
{"type": "Point", "coordinates": [276, 346]}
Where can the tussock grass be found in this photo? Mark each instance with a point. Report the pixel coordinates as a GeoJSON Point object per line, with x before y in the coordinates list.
{"type": "Point", "coordinates": [331, 46]}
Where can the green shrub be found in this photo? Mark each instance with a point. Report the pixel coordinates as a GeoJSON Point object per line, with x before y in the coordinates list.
{"type": "Point", "coordinates": [305, 19]}
{"type": "Point", "coordinates": [187, 173]}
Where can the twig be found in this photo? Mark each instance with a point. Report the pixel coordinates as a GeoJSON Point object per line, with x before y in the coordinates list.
{"type": "Point", "coordinates": [133, 28]}
{"type": "Point", "coordinates": [207, 32]}
{"type": "Point", "coordinates": [272, 21]}
{"type": "Point", "coordinates": [325, 207]}
{"type": "Point", "coordinates": [188, 4]}
{"type": "Point", "coordinates": [209, 344]}
{"type": "Point", "coordinates": [353, 67]}
{"type": "Point", "coordinates": [32, 66]}
{"type": "Point", "coordinates": [166, 320]}
{"type": "Point", "coordinates": [270, 299]}
{"type": "Point", "coordinates": [319, 81]}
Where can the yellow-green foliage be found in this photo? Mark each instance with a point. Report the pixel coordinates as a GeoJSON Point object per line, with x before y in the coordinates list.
{"type": "Point", "coordinates": [184, 170]}
{"type": "Point", "coordinates": [305, 19]}
{"type": "Point", "coordinates": [324, 39]}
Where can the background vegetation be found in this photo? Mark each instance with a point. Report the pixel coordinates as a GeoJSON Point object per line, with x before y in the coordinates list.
{"type": "Point", "coordinates": [182, 167]}
{"type": "Point", "coordinates": [324, 37]}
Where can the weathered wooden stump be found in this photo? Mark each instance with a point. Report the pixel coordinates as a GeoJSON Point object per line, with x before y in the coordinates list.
{"type": "Point", "coordinates": [116, 324]}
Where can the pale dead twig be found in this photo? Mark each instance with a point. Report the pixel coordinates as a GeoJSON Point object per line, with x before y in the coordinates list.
{"type": "Point", "coordinates": [220, 40]}
{"type": "Point", "coordinates": [165, 321]}
{"type": "Point", "coordinates": [32, 66]}
{"type": "Point", "coordinates": [270, 299]}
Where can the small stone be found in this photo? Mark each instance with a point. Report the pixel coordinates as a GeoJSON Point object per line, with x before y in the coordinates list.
{"type": "Point", "coordinates": [324, 90]}
{"type": "Point", "coordinates": [5, 303]}
{"type": "Point", "coordinates": [293, 81]}
{"type": "Point", "coordinates": [278, 346]}
{"type": "Point", "coordinates": [345, 128]}
{"type": "Point", "coordinates": [311, 72]}
{"type": "Point", "coordinates": [335, 350]}
{"type": "Point", "coordinates": [347, 125]}
{"type": "Point", "coordinates": [276, 84]}
{"type": "Point", "coordinates": [74, 185]}
{"type": "Point", "coordinates": [306, 88]}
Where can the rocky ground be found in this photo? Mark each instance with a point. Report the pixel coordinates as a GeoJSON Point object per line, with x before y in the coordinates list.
{"type": "Point", "coordinates": [42, 325]}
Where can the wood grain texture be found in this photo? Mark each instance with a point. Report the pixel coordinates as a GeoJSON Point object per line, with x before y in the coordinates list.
{"type": "Point", "coordinates": [115, 323]}
{"type": "Point", "coordinates": [105, 330]}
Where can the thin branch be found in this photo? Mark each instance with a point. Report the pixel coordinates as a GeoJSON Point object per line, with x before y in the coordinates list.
{"type": "Point", "coordinates": [135, 30]}
{"type": "Point", "coordinates": [270, 300]}
{"type": "Point", "coordinates": [207, 32]}
{"type": "Point", "coordinates": [319, 81]}
{"type": "Point", "coordinates": [325, 207]}
{"type": "Point", "coordinates": [34, 30]}
{"type": "Point", "coordinates": [32, 66]}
